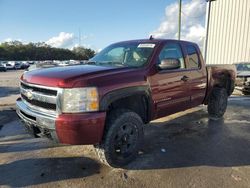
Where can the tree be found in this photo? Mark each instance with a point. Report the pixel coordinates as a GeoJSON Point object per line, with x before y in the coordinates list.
{"type": "Point", "coordinates": [16, 50]}
{"type": "Point", "coordinates": [83, 53]}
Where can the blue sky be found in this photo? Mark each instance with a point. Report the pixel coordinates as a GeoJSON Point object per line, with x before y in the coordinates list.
{"type": "Point", "coordinates": [100, 22]}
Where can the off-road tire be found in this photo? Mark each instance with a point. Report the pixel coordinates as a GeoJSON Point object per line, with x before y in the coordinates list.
{"type": "Point", "coordinates": [217, 103]}
{"type": "Point", "coordinates": [118, 122]}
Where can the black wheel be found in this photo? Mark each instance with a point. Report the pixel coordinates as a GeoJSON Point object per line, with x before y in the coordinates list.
{"type": "Point", "coordinates": [122, 138]}
{"type": "Point", "coordinates": [217, 103]}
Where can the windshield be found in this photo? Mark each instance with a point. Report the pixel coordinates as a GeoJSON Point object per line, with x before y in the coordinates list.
{"type": "Point", "coordinates": [243, 67]}
{"type": "Point", "coordinates": [133, 54]}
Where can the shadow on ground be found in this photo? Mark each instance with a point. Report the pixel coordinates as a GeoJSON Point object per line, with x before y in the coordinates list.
{"type": "Point", "coordinates": [7, 115]}
{"type": "Point", "coordinates": [44, 170]}
{"type": "Point", "coordinates": [7, 91]}
{"type": "Point", "coordinates": [15, 138]}
{"type": "Point", "coordinates": [194, 140]}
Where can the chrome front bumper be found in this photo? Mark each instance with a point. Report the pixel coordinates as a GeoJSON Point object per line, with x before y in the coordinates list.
{"type": "Point", "coordinates": [37, 123]}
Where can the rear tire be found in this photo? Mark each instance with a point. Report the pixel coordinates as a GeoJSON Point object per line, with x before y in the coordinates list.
{"type": "Point", "coordinates": [122, 138]}
{"type": "Point", "coordinates": [217, 103]}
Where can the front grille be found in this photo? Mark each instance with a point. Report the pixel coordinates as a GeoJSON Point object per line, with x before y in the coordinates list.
{"type": "Point", "coordinates": [39, 97]}
{"type": "Point", "coordinates": [41, 90]}
{"type": "Point", "coordinates": [45, 105]}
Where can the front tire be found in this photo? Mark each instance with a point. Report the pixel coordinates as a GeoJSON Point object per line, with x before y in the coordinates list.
{"type": "Point", "coordinates": [122, 138]}
{"type": "Point", "coordinates": [217, 103]}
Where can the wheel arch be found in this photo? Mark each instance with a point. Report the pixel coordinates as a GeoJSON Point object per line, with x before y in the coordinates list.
{"type": "Point", "coordinates": [226, 81]}
{"type": "Point", "coordinates": [137, 99]}
{"type": "Point", "coordinates": [219, 79]}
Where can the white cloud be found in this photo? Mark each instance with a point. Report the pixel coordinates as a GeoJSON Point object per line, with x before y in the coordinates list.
{"type": "Point", "coordinates": [10, 40]}
{"type": "Point", "coordinates": [63, 40]}
{"type": "Point", "coordinates": [193, 18]}
{"type": "Point", "coordinates": [196, 33]}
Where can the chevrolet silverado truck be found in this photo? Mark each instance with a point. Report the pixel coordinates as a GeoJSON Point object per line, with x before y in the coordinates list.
{"type": "Point", "coordinates": [107, 101]}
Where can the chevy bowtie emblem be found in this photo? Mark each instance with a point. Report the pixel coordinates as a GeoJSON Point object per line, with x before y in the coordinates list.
{"type": "Point", "coordinates": [29, 94]}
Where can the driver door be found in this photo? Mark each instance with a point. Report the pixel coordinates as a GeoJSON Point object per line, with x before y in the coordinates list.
{"type": "Point", "coordinates": [169, 88]}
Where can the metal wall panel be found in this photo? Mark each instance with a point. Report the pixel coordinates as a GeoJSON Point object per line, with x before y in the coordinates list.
{"type": "Point", "coordinates": [229, 32]}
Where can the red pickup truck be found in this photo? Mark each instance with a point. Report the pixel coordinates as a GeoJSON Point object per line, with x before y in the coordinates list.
{"type": "Point", "coordinates": [126, 85]}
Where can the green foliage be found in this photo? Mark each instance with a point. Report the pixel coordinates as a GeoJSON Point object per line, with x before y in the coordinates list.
{"type": "Point", "coordinates": [84, 53]}
{"type": "Point", "coordinates": [15, 50]}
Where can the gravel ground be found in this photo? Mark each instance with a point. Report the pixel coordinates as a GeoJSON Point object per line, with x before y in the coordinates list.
{"type": "Point", "coordinates": [183, 150]}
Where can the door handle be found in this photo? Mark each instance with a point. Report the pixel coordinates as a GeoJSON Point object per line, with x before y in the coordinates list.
{"type": "Point", "coordinates": [185, 78]}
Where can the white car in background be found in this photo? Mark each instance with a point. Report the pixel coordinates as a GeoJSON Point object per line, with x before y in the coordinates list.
{"type": "Point", "coordinates": [64, 63]}
{"type": "Point", "coordinates": [10, 65]}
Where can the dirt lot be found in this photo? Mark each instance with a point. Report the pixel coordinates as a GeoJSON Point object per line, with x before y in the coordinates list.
{"type": "Point", "coordinates": [183, 150]}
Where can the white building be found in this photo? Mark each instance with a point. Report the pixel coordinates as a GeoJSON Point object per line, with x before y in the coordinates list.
{"type": "Point", "coordinates": [228, 34]}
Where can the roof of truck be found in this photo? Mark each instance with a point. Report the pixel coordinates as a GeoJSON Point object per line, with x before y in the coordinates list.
{"type": "Point", "coordinates": [156, 40]}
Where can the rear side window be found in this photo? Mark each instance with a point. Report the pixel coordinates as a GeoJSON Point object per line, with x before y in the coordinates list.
{"type": "Point", "coordinates": [193, 57]}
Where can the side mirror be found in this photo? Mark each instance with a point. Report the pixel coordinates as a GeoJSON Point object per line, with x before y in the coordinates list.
{"type": "Point", "coordinates": [168, 64]}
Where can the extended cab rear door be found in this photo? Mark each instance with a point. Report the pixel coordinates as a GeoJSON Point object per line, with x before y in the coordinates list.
{"type": "Point", "coordinates": [196, 75]}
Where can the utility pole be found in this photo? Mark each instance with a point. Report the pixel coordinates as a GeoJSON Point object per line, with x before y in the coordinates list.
{"type": "Point", "coordinates": [179, 27]}
{"type": "Point", "coordinates": [79, 37]}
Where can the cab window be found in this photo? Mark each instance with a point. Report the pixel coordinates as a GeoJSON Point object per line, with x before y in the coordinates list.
{"type": "Point", "coordinates": [172, 51]}
{"type": "Point", "coordinates": [193, 57]}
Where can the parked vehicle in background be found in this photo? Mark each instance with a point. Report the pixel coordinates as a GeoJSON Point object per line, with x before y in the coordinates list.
{"type": "Point", "coordinates": [25, 65]}
{"type": "Point", "coordinates": [64, 63]}
{"type": "Point", "coordinates": [10, 65]}
{"type": "Point", "coordinates": [43, 65]}
{"type": "Point", "coordinates": [74, 62]}
{"type": "Point", "coordinates": [83, 62]}
{"type": "Point", "coordinates": [126, 85]}
{"type": "Point", "coordinates": [54, 63]}
{"type": "Point", "coordinates": [18, 65]}
{"type": "Point", "coordinates": [31, 62]}
{"type": "Point", "coordinates": [3, 67]}
{"type": "Point", "coordinates": [243, 77]}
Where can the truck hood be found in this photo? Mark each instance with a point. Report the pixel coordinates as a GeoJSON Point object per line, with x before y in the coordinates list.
{"type": "Point", "coordinates": [65, 77]}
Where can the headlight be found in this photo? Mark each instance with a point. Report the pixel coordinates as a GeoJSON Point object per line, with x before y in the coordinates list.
{"type": "Point", "coordinates": [80, 100]}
